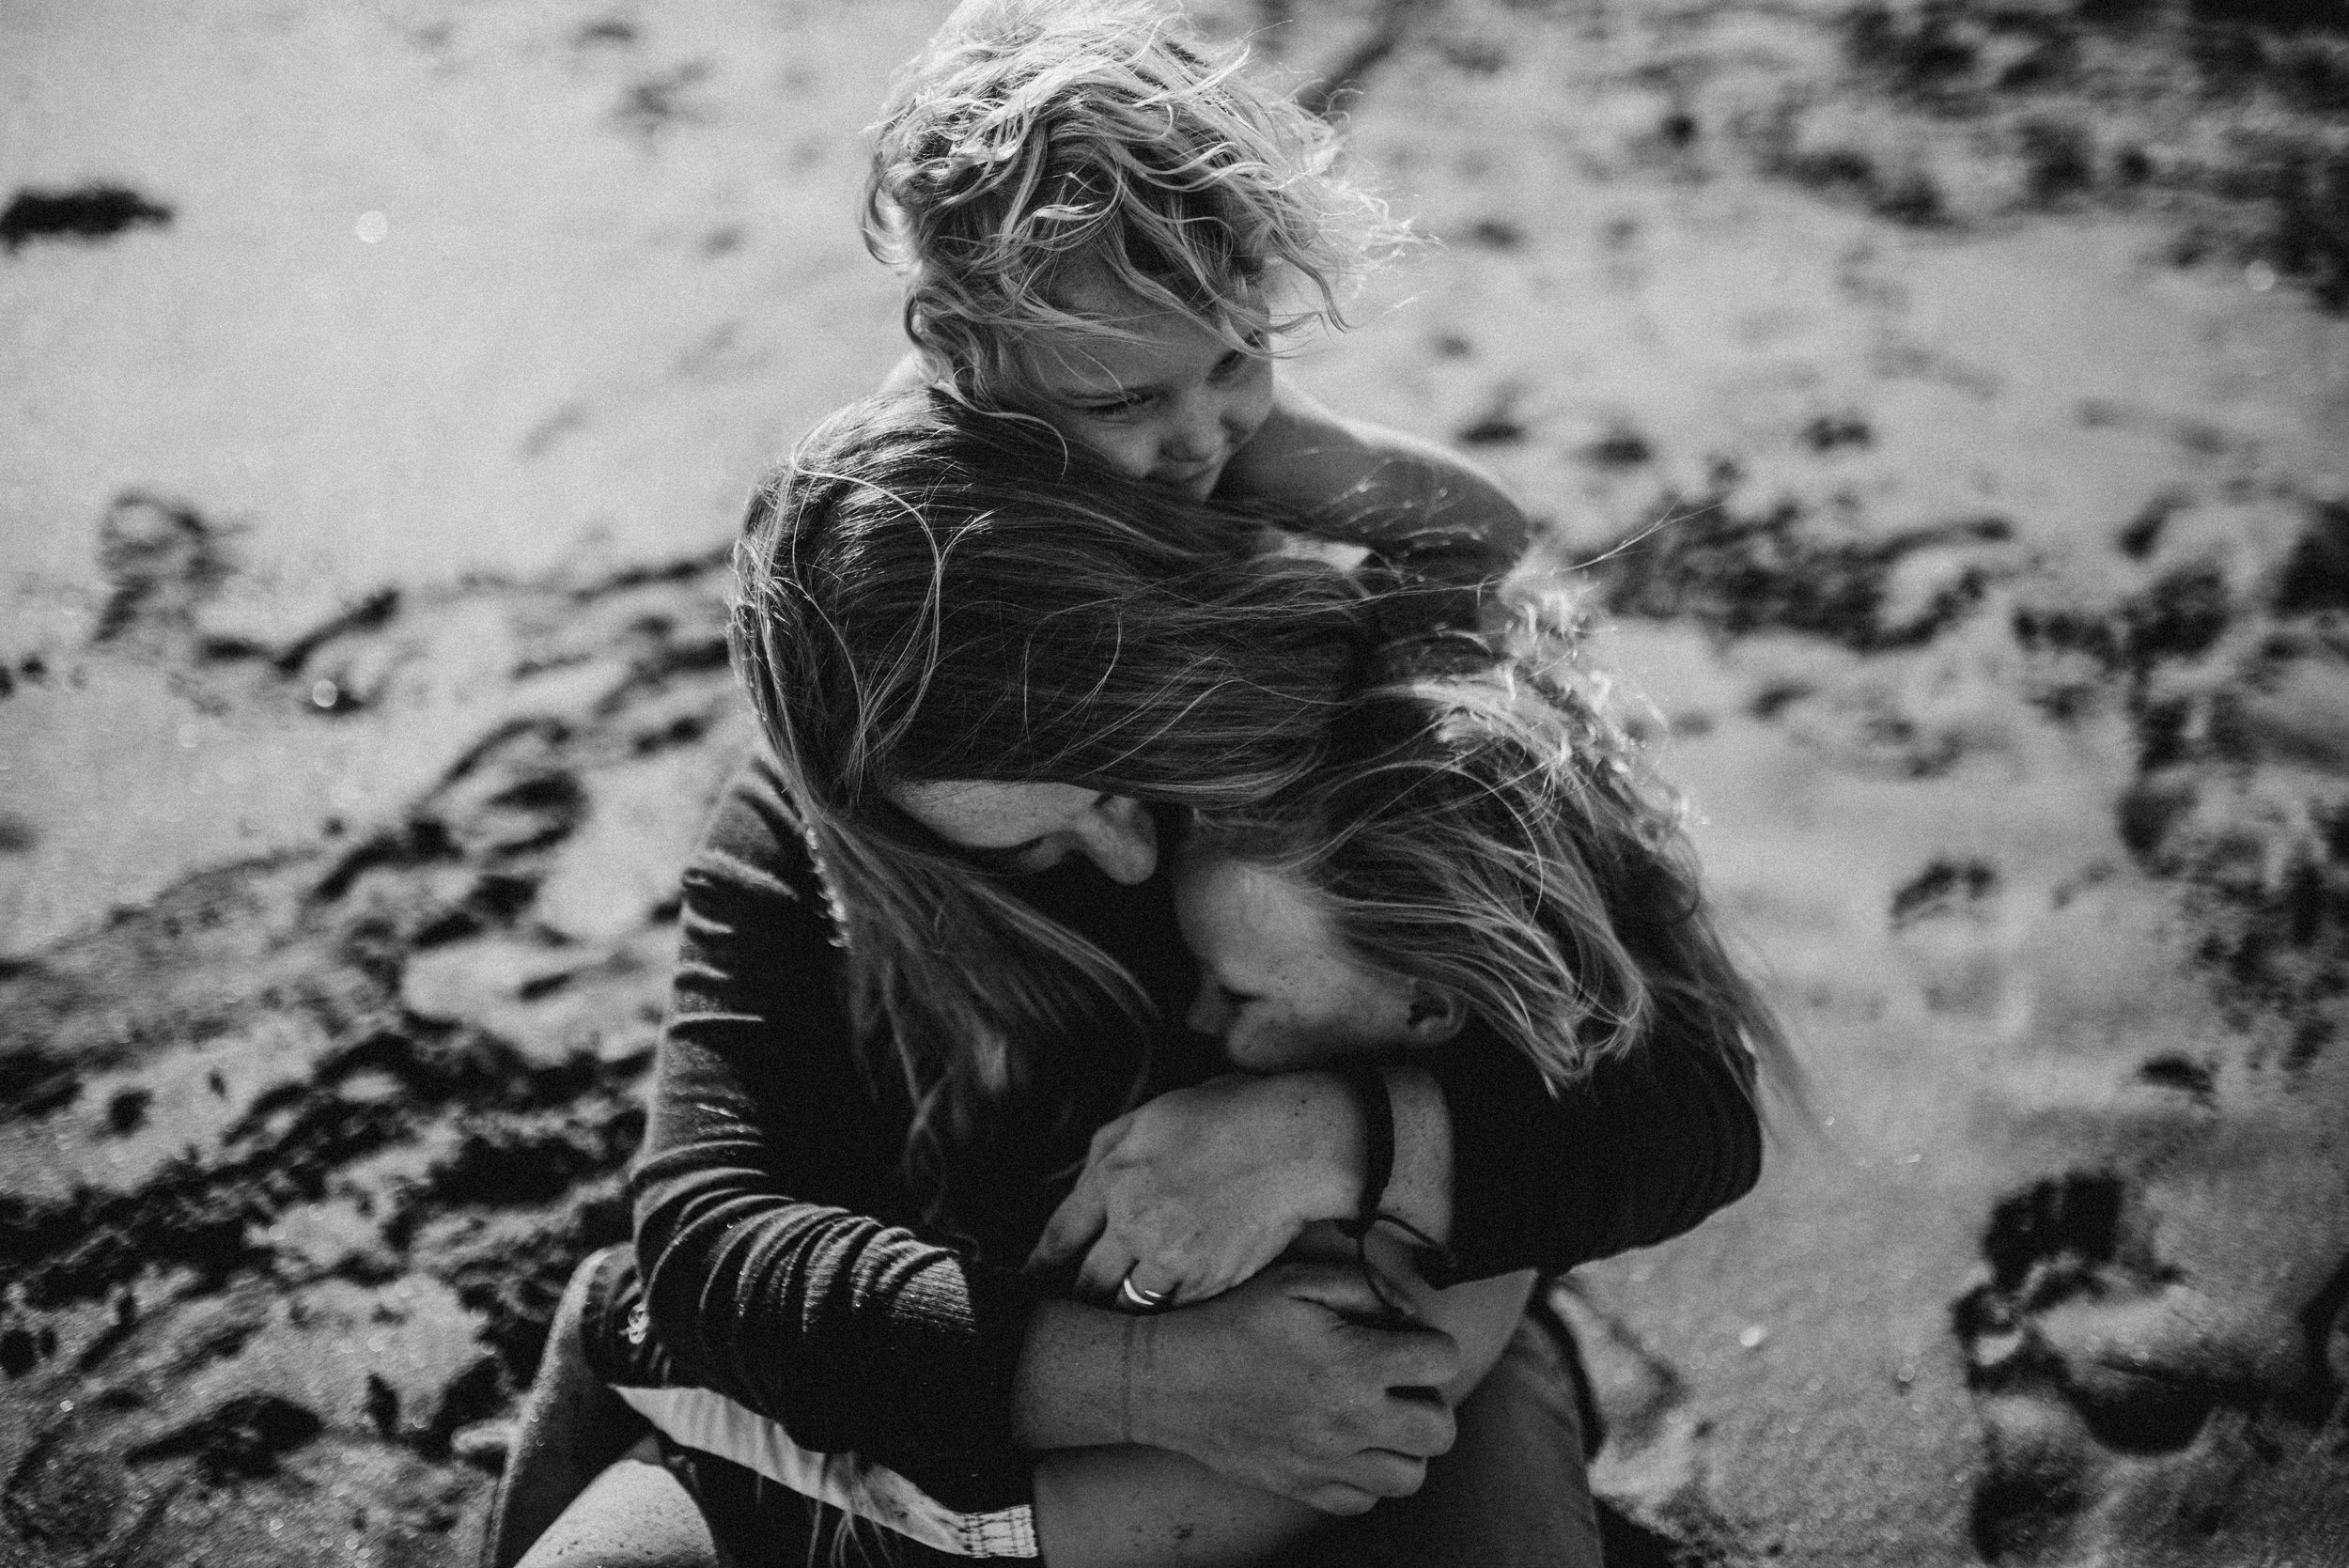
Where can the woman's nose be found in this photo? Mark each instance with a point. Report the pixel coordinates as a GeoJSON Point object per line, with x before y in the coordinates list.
{"type": "Point", "coordinates": [1120, 837]}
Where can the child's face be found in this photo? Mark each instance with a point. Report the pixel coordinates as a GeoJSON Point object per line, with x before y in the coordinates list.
{"type": "Point", "coordinates": [1275, 984]}
{"type": "Point", "coordinates": [1169, 405]}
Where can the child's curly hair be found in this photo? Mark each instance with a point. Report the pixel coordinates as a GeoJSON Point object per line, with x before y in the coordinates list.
{"type": "Point", "coordinates": [1037, 141]}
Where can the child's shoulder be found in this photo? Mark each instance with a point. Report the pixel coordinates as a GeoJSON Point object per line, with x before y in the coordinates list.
{"type": "Point", "coordinates": [910, 374]}
{"type": "Point", "coordinates": [1359, 481]}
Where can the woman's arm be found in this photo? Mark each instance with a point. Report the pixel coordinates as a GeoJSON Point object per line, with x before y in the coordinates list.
{"type": "Point", "coordinates": [1488, 1161]}
{"type": "Point", "coordinates": [765, 1278]}
{"type": "Point", "coordinates": [1212, 1183]}
{"type": "Point", "coordinates": [1133, 1507]}
{"type": "Point", "coordinates": [766, 1285]}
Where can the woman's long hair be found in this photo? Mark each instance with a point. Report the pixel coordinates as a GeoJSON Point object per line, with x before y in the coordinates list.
{"type": "Point", "coordinates": [927, 593]}
{"type": "Point", "coordinates": [1483, 825]}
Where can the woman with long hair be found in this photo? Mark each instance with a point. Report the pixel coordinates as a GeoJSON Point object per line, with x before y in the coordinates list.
{"type": "Point", "coordinates": [1481, 859]}
{"type": "Point", "coordinates": [925, 961]}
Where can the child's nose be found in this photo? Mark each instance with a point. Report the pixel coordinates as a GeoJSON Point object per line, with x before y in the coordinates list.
{"type": "Point", "coordinates": [1197, 434]}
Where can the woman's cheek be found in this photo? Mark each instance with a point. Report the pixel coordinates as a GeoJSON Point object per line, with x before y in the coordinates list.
{"type": "Point", "coordinates": [1244, 1046]}
{"type": "Point", "coordinates": [1273, 1045]}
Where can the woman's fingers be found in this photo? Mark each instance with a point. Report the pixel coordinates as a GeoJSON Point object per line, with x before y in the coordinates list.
{"type": "Point", "coordinates": [1104, 1270]}
{"type": "Point", "coordinates": [1113, 1275]}
{"type": "Point", "coordinates": [1371, 1476]}
{"type": "Point", "coordinates": [1106, 1138]}
{"type": "Point", "coordinates": [1415, 1358]}
{"type": "Point", "coordinates": [1385, 1473]}
{"type": "Point", "coordinates": [1273, 1385]}
{"type": "Point", "coordinates": [1146, 1289]}
{"type": "Point", "coordinates": [1081, 1217]}
{"type": "Point", "coordinates": [1421, 1427]}
{"type": "Point", "coordinates": [1338, 1498]}
{"type": "Point", "coordinates": [1347, 1290]}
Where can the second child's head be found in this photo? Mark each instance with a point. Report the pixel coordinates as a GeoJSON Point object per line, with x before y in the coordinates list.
{"type": "Point", "coordinates": [1105, 224]}
{"type": "Point", "coordinates": [1477, 845]}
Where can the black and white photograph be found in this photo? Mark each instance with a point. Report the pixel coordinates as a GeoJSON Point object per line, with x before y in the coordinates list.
{"type": "Point", "coordinates": [1174, 783]}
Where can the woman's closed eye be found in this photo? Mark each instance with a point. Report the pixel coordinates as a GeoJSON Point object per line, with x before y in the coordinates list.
{"type": "Point", "coordinates": [1040, 853]}
{"type": "Point", "coordinates": [1010, 858]}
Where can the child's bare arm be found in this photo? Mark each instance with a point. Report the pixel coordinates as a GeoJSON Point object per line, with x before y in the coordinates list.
{"type": "Point", "coordinates": [1407, 497]}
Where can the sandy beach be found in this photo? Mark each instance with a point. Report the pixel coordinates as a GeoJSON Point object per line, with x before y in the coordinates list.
{"type": "Point", "coordinates": [1950, 404]}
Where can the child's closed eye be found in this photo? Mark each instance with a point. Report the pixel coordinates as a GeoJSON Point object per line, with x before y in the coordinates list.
{"type": "Point", "coordinates": [1129, 404]}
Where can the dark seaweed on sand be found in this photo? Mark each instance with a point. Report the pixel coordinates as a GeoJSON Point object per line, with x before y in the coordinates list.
{"type": "Point", "coordinates": [1738, 573]}
{"type": "Point", "coordinates": [89, 212]}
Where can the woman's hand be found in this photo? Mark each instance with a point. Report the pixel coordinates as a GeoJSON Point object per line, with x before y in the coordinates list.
{"type": "Point", "coordinates": [1286, 1385]}
{"type": "Point", "coordinates": [1200, 1189]}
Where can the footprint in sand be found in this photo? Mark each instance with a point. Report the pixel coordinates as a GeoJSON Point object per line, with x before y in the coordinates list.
{"type": "Point", "coordinates": [1650, 1474]}
{"type": "Point", "coordinates": [2138, 1410]}
{"type": "Point", "coordinates": [63, 1500]}
{"type": "Point", "coordinates": [2159, 1349]}
{"type": "Point", "coordinates": [162, 559]}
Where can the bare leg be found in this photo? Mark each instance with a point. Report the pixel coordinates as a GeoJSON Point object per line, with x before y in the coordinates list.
{"type": "Point", "coordinates": [1146, 1508]}
{"type": "Point", "coordinates": [634, 1514]}
{"type": "Point", "coordinates": [571, 1428]}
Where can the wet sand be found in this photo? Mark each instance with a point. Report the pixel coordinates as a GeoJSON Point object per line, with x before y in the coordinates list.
{"type": "Point", "coordinates": [1955, 405]}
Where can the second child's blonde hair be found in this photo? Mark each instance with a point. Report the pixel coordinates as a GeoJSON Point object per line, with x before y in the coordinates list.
{"type": "Point", "coordinates": [1037, 143]}
{"type": "Point", "coordinates": [1483, 825]}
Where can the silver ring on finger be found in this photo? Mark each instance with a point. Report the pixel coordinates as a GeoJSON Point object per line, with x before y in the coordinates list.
{"type": "Point", "coordinates": [1138, 1299]}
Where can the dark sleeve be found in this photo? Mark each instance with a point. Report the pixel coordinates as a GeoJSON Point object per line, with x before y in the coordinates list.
{"type": "Point", "coordinates": [1640, 1151]}
{"type": "Point", "coordinates": [852, 1333]}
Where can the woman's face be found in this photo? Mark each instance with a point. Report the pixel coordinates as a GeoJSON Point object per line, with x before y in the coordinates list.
{"type": "Point", "coordinates": [1276, 985]}
{"type": "Point", "coordinates": [1024, 828]}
